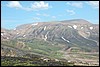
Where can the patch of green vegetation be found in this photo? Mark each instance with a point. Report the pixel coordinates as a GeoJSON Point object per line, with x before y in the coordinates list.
{"type": "Point", "coordinates": [25, 64]}
{"type": "Point", "coordinates": [88, 56]}
{"type": "Point", "coordinates": [30, 61]}
{"type": "Point", "coordinates": [36, 45]}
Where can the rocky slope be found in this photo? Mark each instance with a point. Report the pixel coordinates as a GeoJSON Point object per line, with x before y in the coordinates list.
{"type": "Point", "coordinates": [64, 34]}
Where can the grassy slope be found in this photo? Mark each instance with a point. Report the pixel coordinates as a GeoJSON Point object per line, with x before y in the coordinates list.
{"type": "Point", "coordinates": [37, 46]}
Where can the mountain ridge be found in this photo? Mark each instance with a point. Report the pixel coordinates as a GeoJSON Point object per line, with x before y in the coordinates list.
{"type": "Point", "coordinates": [51, 39]}
{"type": "Point", "coordinates": [61, 21]}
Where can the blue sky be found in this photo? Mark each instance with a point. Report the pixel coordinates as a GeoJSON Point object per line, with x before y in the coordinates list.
{"type": "Point", "coordinates": [14, 13]}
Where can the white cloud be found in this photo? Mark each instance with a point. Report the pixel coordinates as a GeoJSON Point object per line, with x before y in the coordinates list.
{"type": "Point", "coordinates": [14, 4]}
{"type": "Point", "coordinates": [34, 6]}
{"type": "Point", "coordinates": [38, 14]}
{"type": "Point", "coordinates": [72, 12]}
{"type": "Point", "coordinates": [46, 15]}
{"type": "Point", "coordinates": [94, 4]}
{"type": "Point", "coordinates": [54, 17]}
{"type": "Point", "coordinates": [36, 18]}
{"type": "Point", "coordinates": [40, 5]}
{"type": "Point", "coordinates": [75, 4]}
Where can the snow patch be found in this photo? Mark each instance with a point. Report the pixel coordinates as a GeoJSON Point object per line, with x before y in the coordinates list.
{"type": "Point", "coordinates": [81, 27]}
{"type": "Point", "coordinates": [56, 60]}
{"type": "Point", "coordinates": [45, 37]}
{"type": "Point", "coordinates": [35, 24]}
{"type": "Point", "coordinates": [45, 28]}
{"type": "Point", "coordinates": [24, 35]}
{"type": "Point", "coordinates": [64, 39]}
{"type": "Point", "coordinates": [91, 28]}
{"type": "Point", "coordinates": [88, 33]}
{"type": "Point", "coordinates": [69, 61]}
{"type": "Point", "coordinates": [46, 59]}
{"type": "Point", "coordinates": [70, 26]}
{"type": "Point", "coordinates": [14, 28]}
{"type": "Point", "coordinates": [67, 40]}
{"type": "Point", "coordinates": [74, 26]}
{"type": "Point", "coordinates": [7, 37]}
{"type": "Point", "coordinates": [1, 34]}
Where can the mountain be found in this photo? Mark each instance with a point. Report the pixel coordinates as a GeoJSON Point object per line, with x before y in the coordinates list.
{"type": "Point", "coordinates": [51, 39]}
